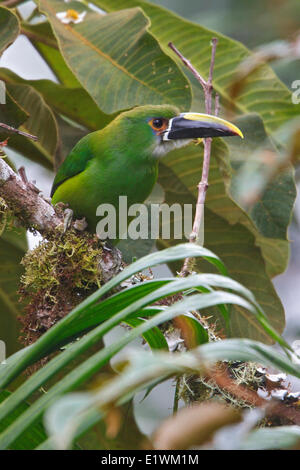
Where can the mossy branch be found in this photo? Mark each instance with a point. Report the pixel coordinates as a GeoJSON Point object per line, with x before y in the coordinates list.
{"type": "Point", "coordinates": [26, 202]}
{"type": "Point", "coordinates": [35, 212]}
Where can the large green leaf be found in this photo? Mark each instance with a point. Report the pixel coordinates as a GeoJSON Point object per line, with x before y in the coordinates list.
{"type": "Point", "coordinates": [11, 253]}
{"type": "Point", "coordinates": [69, 135]}
{"type": "Point", "coordinates": [11, 113]}
{"type": "Point", "coordinates": [281, 437]}
{"type": "Point", "coordinates": [88, 368]}
{"type": "Point", "coordinates": [154, 337]}
{"type": "Point", "coordinates": [268, 220]}
{"type": "Point", "coordinates": [118, 73]}
{"type": "Point", "coordinates": [121, 307]}
{"type": "Point", "coordinates": [235, 244]}
{"type": "Point", "coordinates": [271, 210]}
{"type": "Point", "coordinates": [263, 181]}
{"type": "Point", "coordinates": [30, 439]}
{"type": "Point", "coordinates": [272, 207]}
{"type": "Point", "coordinates": [75, 103]}
{"type": "Point", "coordinates": [9, 28]}
{"type": "Point", "coordinates": [41, 122]}
{"type": "Point", "coordinates": [45, 343]}
{"type": "Point", "coordinates": [116, 310]}
{"type": "Point", "coordinates": [263, 93]}
{"type": "Point", "coordinates": [43, 39]}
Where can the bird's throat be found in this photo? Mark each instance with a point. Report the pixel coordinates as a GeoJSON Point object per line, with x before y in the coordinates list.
{"type": "Point", "coordinates": [162, 147]}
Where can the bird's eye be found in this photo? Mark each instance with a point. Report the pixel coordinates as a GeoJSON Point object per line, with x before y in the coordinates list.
{"type": "Point", "coordinates": [159, 124]}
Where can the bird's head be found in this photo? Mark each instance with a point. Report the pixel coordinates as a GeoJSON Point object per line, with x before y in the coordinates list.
{"type": "Point", "coordinates": [160, 129]}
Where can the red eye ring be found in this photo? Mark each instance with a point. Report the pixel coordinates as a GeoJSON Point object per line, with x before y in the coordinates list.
{"type": "Point", "coordinates": [159, 124]}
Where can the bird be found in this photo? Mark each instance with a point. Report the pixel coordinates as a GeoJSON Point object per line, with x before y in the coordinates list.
{"type": "Point", "coordinates": [122, 158]}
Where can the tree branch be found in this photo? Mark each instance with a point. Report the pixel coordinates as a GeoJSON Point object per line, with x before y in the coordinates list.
{"type": "Point", "coordinates": [203, 184]}
{"type": "Point", "coordinates": [24, 199]}
{"type": "Point", "coordinates": [13, 130]}
{"type": "Point", "coordinates": [10, 3]}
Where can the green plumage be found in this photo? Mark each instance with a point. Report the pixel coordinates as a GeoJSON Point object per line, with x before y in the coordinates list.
{"type": "Point", "coordinates": [117, 160]}
{"type": "Point", "coordinates": [122, 158]}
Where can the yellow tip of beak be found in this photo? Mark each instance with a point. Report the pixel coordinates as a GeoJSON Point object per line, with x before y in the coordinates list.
{"type": "Point", "coordinates": [237, 130]}
{"type": "Point", "coordinates": [214, 119]}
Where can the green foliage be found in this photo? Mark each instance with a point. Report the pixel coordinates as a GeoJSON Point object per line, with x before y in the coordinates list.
{"type": "Point", "coordinates": [11, 113]}
{"type": "Point", "coordinates": [41, 122]}
{"type": "Point", "coordinates": [12, 249]}
{"type": "Point", "coordinates": [129, 303]}
{"type": "Point", "coordinates": [145, 368]}
{"type": "Point", "coordinates": [235, 244]}
{"type": "Point", "coordinates": [31, 439]}
{"type": "Point", "coordinates": [9, 27]}
{"type": "Point", "coordinates": [72, 47]}
{"type": "Point", "coordinates": [158, 81]}
{"type": "Point", "coordinates": [105, 64]}
{"type": "Point", "coordinates": [264, 93]}
{"type": "Point", "coordinates": [58, 274]}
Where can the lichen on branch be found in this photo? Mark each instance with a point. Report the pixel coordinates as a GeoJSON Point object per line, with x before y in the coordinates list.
{"type": "Point", "coordinates": [26, 202]}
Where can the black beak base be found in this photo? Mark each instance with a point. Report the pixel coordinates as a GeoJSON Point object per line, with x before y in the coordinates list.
{"type": "Point", "coordinates": [182, 128]}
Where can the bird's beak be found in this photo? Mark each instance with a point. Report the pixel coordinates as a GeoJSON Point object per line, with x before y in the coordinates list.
{"type": "Point", "coordinates": [196, 125]}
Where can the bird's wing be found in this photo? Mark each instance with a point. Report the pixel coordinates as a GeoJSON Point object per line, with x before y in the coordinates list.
{"type": "Point", "coordinates": [75, 163]}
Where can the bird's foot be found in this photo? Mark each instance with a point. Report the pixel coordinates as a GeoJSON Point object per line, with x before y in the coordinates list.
{"type": "Point", "coordinates": [68, 216]}
{"type": "Point", "coordinates": [80, 224]}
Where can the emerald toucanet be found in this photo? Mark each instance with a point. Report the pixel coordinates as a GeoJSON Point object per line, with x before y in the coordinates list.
{"type": "Point", "coordinates": [122, 159]}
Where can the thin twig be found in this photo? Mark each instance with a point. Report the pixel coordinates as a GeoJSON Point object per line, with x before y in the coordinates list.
{"type": "Point", "coordinates": [12, 130]}
{"type": "Point", "coordinates": [176, 395]}
{"type": "Point", "coordinates": [23, 175]}
{"type": "Point", "coordinates": [188, 64]}
{"type": "Point", "coordinates": [203, 184]}
{"type": "Point", "coordinates": [10, 3]}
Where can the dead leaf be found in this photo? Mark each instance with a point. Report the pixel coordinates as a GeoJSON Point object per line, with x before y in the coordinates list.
{"type": "Point", "coordinates": [193, 426]}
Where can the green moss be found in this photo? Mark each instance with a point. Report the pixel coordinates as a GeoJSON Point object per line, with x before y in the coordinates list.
{"type": "Point", "coordinates": [196, 388]}
{"type": "Point", "coordinates": [70, 259]}
{"type": "Point", "coordinates": [59, 273]}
